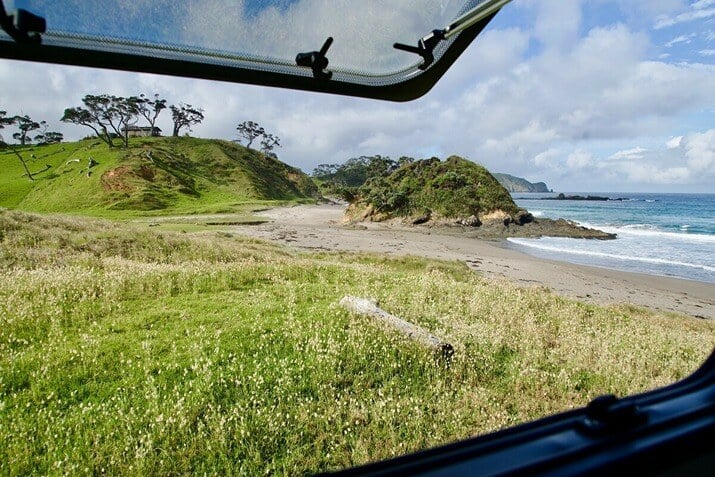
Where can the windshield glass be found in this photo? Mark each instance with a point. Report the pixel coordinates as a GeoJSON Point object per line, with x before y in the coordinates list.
{"type": "Point", "coordinates": [271, 31]}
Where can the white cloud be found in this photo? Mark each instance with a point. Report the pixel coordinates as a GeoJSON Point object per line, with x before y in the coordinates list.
{"type": "Point", "coordinates": [650, 174]}
{"type": "Point", "coordinates": [700, 152]}
{"type": "Point", "coordinates": [688, 159]}
{"type": "Point", "coordinates": [698, 11]}
{"type": "Point", "coordinates": [532, 133]}
{"type": "Point", "coordinates": [686, 39]}
{"type": "Point", "coordinates": [682, 160]}
{"type": "Point", "coordinates": [707, 52]}
{"type": "Point", "coordinates": [702, 4]}
{"type": "Point", "coordinates": [547, 159]}
{"type": "Point", "coordinates": [557, 23]}
{"type": "Point", "coordinates": [579, 159]}
{"type": "Point", "coordinates": [674, 142]}
{"type": "Point", "coordinates": [633, 153]}
{"type": "Point", "coordinates": [656, 88]}
{"type": "Point", "coordinates": [493, 53]}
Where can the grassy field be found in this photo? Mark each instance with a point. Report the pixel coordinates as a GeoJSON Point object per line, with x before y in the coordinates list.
{"type": "Point", "coordinates": [127, 350]}
{"type": "Point", "coordinates": [153, 177]}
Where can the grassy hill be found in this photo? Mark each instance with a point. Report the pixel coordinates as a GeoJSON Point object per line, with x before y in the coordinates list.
{"type": "Point", "coordinates": [154, 175]}
{"type": "Point", "coordinates": [454, 188]}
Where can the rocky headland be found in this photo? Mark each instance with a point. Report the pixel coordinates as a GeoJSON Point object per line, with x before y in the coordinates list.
{"type": "Point", "coordinates": [455, 195]}
{"type": "Point", "coordinates": [519, 184]}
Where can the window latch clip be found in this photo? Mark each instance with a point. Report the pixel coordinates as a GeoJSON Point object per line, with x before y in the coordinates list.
{"type": "Point", "coordinates": [23, 26]}
{"type": "Point", "coordinates": [316, 60]}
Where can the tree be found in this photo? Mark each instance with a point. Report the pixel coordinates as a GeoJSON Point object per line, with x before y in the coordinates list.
{"type": "Point", "coordinates": [150, 109]}
{"type": "Point", "coordinates": [25, 124]}
{"type": "Point", "coordinates": [250, 131]}
{"type": "Point", "coordinates": [89, 118]}
{"type": "Point", "coordinates": [184, 116]}
{"type": "Point", "coordinates": [126, 113]}
{"type": "Point", "coordinates": [4, 121]}
{"type": "Point", "coordinates": [345, 179]}
{"type": "Point", "coordinates": [106, 115]}
{"type": "Point", "coordinates": [269, 142]}
{"type": "Point", "coordinates": [325, 171]}
{"type": "Point", "coordinates": [378, 165]}
{"type": "Point", "coordinates": [405, 160]}
{"type": "Point", "coordinates": [48, 137]}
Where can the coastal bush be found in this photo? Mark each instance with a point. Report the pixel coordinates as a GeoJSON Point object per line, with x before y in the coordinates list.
{"type": "Point", "coordinates": [129, 351]}
{"type": "Point", "coordinates": [453, 188]}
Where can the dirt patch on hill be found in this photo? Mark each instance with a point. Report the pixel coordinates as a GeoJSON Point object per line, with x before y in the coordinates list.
{"type": "Point", "coordinates": [118, 179]}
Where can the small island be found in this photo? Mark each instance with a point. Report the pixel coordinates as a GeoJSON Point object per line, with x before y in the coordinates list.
{"type": "Point", "coordinates": [563, 196]}
{"type": "Point", "coordinates": [454, 194]}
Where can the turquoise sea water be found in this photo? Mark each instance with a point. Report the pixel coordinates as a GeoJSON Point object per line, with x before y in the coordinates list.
{"type": "Point", "coordinates": [658, 234]}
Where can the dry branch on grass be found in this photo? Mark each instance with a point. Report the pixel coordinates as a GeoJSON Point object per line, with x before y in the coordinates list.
{"type": "Point", "coordinates": [366, 307]}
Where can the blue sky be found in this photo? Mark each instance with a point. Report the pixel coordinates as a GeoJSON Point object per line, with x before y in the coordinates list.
{"type": "Point", "coordinates": [586, 95]}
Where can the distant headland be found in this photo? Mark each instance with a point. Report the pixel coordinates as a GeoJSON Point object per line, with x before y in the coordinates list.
{"type": "Point", "coordinates": [518, 184]}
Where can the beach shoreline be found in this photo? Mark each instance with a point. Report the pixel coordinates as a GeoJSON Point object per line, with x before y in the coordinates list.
{"type": "Point", "coordinates": [320, 227]}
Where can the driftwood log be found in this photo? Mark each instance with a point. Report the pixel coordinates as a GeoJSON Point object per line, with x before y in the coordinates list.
{"type": "Point", "coordinates": [366, 307]}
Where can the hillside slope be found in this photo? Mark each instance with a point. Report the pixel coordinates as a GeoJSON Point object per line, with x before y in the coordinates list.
{"type": "Point", "coordinates": [518, 184]}
{"type": "Point", "coordinates": [164, 175]}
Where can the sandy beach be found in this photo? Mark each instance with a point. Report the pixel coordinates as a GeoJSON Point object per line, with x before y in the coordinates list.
{"type": "Point", "coordinates": [319, 227]}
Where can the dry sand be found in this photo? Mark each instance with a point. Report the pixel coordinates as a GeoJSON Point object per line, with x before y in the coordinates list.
{"type": "Point", "coordinates": [318, 227]}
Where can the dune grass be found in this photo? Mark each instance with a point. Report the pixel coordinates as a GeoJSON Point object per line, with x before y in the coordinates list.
{"type": "Point", "coordinates": [126, 350]}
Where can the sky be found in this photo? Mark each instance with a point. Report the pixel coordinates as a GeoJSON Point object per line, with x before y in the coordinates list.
{"type": "Point", "coordinates": [585, 95]}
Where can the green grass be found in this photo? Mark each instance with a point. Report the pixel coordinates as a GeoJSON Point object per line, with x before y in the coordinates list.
{"type": "Point", "coordinates": [154, 176]}
{"type": "Point", "coordinates": [125, 350]}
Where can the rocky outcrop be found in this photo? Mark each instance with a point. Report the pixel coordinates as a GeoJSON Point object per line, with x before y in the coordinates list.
{"type": "Point", "coordinates": [523, 217]}
{"type": "Point", "coordinates": [538, 228]}
{"type": "Point", "coordinates": [563, 196]}
{"type": "Point", "coordinates": [471, 221]}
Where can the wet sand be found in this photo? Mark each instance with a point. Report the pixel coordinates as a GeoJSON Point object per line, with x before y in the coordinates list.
{"type": "Point", "coordinates": [319, 227]}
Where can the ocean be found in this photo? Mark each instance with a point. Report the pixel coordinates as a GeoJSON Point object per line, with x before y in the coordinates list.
{"type": "Point", "coordinates": [658, 234]}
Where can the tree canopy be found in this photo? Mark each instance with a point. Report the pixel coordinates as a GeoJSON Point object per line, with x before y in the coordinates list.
{"type": "Point", "coordinates": [108, 116]}
{"type": "Point", "coordinates": [355, 171]}
{"type": "Point", "coordinates": [48, 137]}
{"type": "Point", "coordinates": [184, 116]}
{"type": "Point", "coordinates": [24, 124]}
{"type": "Point", "coordinates": [345, 179]}
{"type": "Point", "coordinates": [4, 121]}
{"type": "Point", "coordinates": [250, 131]}
{"type": "Point", "coordinates": [150, 109]}
{"type": "Point", "coordinates": [270, 142]}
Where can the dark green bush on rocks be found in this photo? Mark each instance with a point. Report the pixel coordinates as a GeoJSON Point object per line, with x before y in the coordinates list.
{"type": "Point", "coordinates": [455, 187]}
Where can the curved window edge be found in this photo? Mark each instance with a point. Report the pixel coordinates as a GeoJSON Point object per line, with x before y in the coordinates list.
{"type": "Point", "coordinates": [411, 85]}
